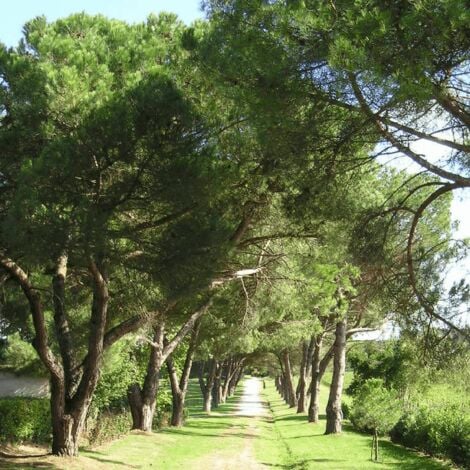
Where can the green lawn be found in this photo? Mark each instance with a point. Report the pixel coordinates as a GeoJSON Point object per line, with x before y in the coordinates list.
{"type": "Point", "coordinates": [176, 448]}
{"type": "Point", "coordinates": [288, 441]}
{"type": "Point", "coordinates": [283, 440]}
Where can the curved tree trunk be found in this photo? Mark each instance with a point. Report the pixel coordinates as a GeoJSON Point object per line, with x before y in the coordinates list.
{"type": "Point", "coordinates": [334, 414]}
{"type": "Point", "coordinates": [236, 376]}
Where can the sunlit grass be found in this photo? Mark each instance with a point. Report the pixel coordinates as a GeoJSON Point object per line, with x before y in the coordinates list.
{"type": "Point", "coordinates": [175, 448]}
{"type": "Point", "coordinates": [289, 441]}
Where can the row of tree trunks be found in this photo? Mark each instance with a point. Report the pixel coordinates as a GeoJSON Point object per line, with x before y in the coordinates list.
{"type": "Point", "coordinates": [312, 353]}
{"type": "Point", "coordinates": [221, 381]}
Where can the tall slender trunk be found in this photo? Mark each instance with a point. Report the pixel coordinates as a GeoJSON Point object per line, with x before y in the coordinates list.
{"type": "Point", "coordinates": [289, 383]}
{"type": "Point", "coordinates": [313, 408]}
{"type": "Point", "coordinates": [229, 371]}
{"type": "Point", "coordinates": [318, 370]}
{"type": "Point", "coordinates": [307, 349]}
{"type": "Point", "coordinates": [209, 385]}
{"type": "Point", "coordinates": [216, 389]}
{"type": "Point", "coordinates": [334, 414]}
{"type": "Point", "coordinates": [179, 389]}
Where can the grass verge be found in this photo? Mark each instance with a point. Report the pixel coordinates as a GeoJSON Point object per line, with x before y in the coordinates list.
{"type": "Point", "coordinates": [288, 441]}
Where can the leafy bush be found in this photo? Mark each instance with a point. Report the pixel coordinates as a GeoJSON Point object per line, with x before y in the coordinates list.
{"type": "Point", "coordinates": [108, 425]}
{"type": "Point", "coordinates": [20, 357]}
{"type": "Point", "coordinates": [164, 407]}
{"type": "Point", "coordinates": [391, 361]}
{"type": "Point", "coordinates": [25, 419]}
{"type": "Point", "coordinates": [442, 431]}
{"type": "Point", "coordinates": [374, 408]}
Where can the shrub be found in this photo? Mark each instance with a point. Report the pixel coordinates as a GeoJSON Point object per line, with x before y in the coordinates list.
{"type": "Point", "coordinates": [374, 407]}
{"type": "Point", "coordinates": [25, 419]}
{"type": "Point", "coordinates": [108, 425]}
{"type": "Point", "coordinates": [442, 431]}
{"type": "Point", "coordinates": [163, 409]}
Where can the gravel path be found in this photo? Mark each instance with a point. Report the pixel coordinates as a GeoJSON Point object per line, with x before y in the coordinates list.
{"type": "Point", "coordinates": [250, 406]}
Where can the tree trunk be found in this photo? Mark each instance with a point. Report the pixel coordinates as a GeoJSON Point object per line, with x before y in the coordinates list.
{"type": "Point", "coordinates": [303, 375]}
{"type": "Point", "coordinates": [228, 376]}
{"type": "Point", "coordinates": [376, 438]}
{"type": "Point", "coordinates": [313, 409]}
{"type": "Point", "coordinates": [142, 401]}
{"type": "Point", "coordinates": [334, 414]}
{"type": "Point", "coordinates": [143, 409]}
{"type": "Point", "coordinates": [216, 389]}
{"type": "Point", "coordinates": [208, 387]}
{"type": "Point", "coordinates": [237, 374]}
{"type": "Point", "coordinates": [177, 398]}
{"type": "Point", "coordinates": [289, 383]}
{"type": "Point", "coordinates": [70, 403]}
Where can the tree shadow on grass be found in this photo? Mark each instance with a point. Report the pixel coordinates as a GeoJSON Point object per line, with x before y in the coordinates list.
{"type": "Point", "coordinates": [99, 456]}
{"type": "Point", "coordinates": [301, 464]}
{"type": "Point", "coordinates": [408, 459]}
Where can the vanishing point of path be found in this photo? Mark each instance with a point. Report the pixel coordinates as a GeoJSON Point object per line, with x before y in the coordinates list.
{"type": "Point", "coordinates": [250, 410]}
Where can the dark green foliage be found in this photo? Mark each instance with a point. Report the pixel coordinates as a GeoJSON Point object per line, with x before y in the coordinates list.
{"type": "Point", "coordinates": [163, 409]}
{"type": "Point", "coordinates": [108, 425]}
{"type": "Point", "coordinates": [25, 419]}
{"type": "Point", "coordinates": [383, 360]}
{"type": "Point", "coordinates": [374, 408]}
{"type": "Point", "coordinates": [442, 431]}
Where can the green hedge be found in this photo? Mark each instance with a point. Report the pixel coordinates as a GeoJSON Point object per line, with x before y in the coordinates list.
{"type": "Point", "coordinates": [25, 419]}
{"type": "Point", "coordinates": [439, 431]}
{"type": "Point", "coordinates": [108, 425]}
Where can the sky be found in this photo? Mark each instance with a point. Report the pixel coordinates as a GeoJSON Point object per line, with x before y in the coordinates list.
{"type": "Point", "coordinates": [16, 13]}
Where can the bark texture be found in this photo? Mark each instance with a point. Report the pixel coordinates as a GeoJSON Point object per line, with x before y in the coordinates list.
{"type": "Point", "coordinates": [334, 414]}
